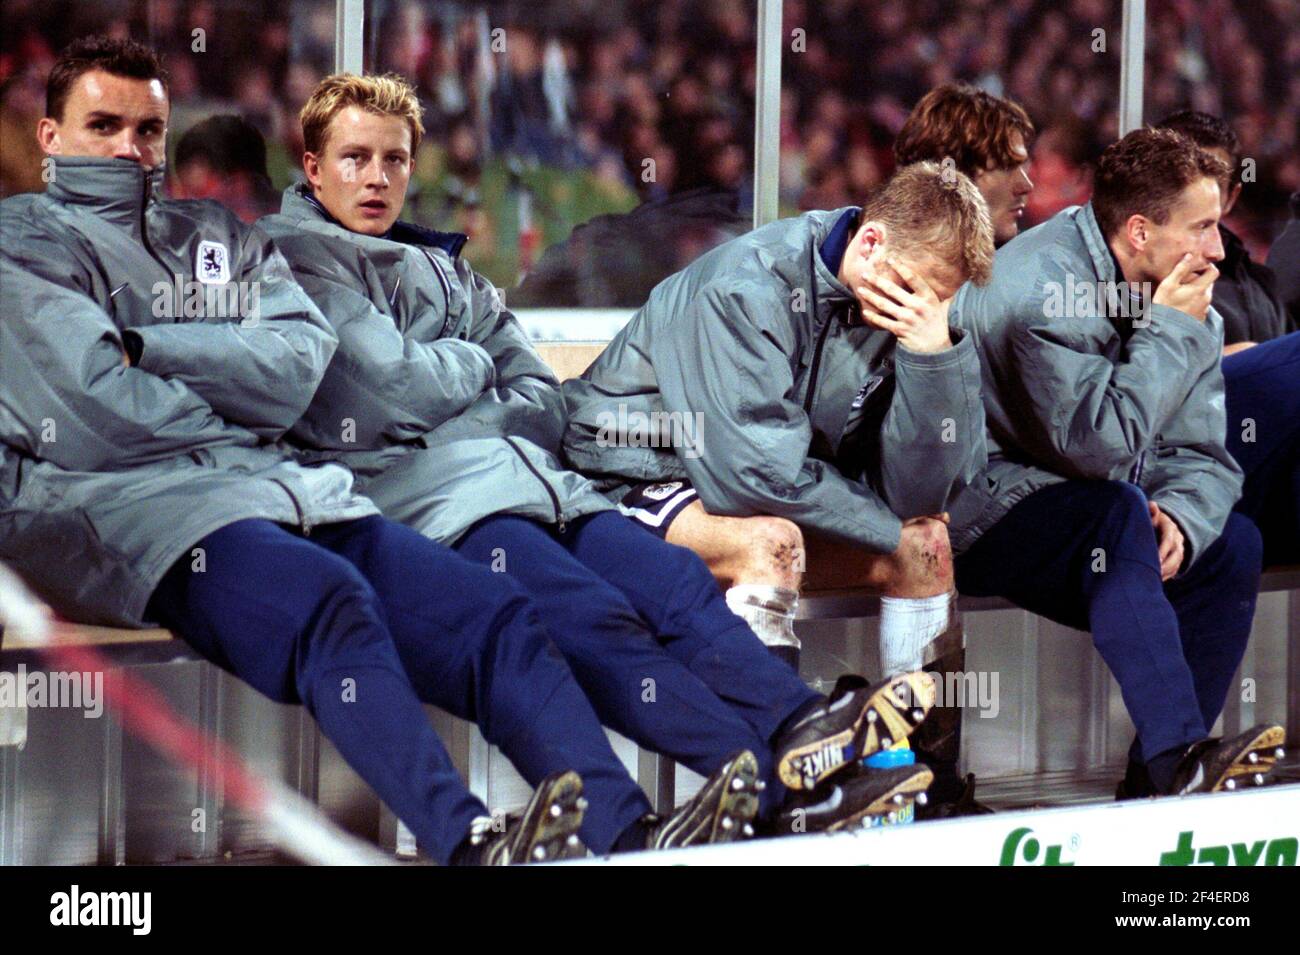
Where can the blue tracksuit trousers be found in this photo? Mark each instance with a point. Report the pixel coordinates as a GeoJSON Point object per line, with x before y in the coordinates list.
{"type": "Point", "coordinates": [1083, 553]}
{"type": "Point", "coordinates": [1263, 398]}
{"type": "Point", "coordinates": [364, 621]}
{"type": "Point", "coordinates": [649, 637]}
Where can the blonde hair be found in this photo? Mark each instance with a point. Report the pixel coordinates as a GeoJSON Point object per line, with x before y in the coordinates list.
{"type": "Point", "coordinates": [387, 95]}
{"type": "Point", "coordinates": [935, 208]}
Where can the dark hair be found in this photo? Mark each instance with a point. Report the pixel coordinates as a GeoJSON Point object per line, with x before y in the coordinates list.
{"type": "Point", "coordinates": [966, 124]}
{"type": "Point", "coordinates": [1144, 173]}
{"type": "Point", "coordinates": [116, 56]}
{"type": "Point", "coordinates": [229, 144]}
{"type": "Point", "coordinates": [1208, 132]}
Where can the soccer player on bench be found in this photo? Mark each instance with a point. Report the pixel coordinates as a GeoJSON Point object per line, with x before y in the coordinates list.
{"type": "Point", "coordinates": [451, 422]}
{"type": "Point", "coordinates": [1107, 504]}
{"type": "Point", "coordinates": [832, 401]}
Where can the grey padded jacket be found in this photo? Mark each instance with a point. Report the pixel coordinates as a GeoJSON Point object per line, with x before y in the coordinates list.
{"type": "Point", "coordinates": [110, 474]}
{"type": "Point", "coordinates": [435, 399]}
{"type": "Point", "coordinates": [1073, 389]}
{"type": "Point", "coordinates": [801, 410]}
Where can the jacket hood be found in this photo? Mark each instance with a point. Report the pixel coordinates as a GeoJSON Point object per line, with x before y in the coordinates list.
{"type": "Point", "coordinates": [116, 190]}
{"type": "Point", "coordinates": [299, 203]}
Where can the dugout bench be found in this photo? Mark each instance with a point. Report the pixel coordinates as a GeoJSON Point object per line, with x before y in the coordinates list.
{"type": "Point", "coordinates": [78, 793]}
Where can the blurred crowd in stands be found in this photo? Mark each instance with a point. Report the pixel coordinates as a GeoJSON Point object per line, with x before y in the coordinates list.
{"type": "Point", "coordinates": [545, 114]}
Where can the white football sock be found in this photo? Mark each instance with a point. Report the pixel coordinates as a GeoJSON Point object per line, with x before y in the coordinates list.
{"type": "Point", "coordinates": [768, 610]}
{"type": "Point", "coordinates": [907, 627]}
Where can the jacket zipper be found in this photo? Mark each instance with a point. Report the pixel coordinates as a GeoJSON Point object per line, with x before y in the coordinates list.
{"type": "Point", "coordinates": [144, 239]}
{"type": "Point", "coordinates": [560, 523]}
{"type": "Point", "coordinates": [1135, 473]}
{"type": "Point", "coordinates": [816, 365]}
{"type": "Point", "coordinates": [446, 289]}
{"type": "Point", "coordinates": [302, 516]}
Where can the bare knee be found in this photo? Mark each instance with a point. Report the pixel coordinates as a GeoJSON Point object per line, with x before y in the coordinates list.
{"type": "Point", "coordinates": [742, 550]}
{"type": "Point", "coordinates": [922, 565]}
{"type": "Point", "coordinates": [770, 551]}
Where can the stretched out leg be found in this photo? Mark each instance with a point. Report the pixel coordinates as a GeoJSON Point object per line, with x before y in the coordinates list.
{"type": "Point", "coordinates": [301, 625]}
{"type": "Point", "coordinates": [474, 645]}
{"type": "Point", "coordinates": [1084, 553]}
{"type": "Point", "coordinates": [635, 686]}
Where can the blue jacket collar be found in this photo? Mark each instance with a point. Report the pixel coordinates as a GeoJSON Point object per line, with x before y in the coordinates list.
{"type": "Point", "coordinates": [837, 243]}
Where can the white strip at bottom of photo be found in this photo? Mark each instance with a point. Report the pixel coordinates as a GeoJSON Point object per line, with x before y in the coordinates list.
{"type": "Point", "coordinates": [1255, 827]}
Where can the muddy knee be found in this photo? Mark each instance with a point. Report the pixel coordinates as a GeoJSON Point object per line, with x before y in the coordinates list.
{"type": "Point", "coordinates": [764, 585]}
{"type": "Point", "coordinates": [922, 565]}
{"type": "Point", "coordinates": [772, 553]}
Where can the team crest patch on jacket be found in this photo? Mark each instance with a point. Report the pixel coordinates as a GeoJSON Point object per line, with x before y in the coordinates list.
{"type": "Point", "coordinates": [212, 263]}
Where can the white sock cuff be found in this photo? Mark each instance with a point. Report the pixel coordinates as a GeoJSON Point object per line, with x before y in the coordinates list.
{"type": "Point", "coordinates": [909, 625]}
{"type": "Point", "coordinates": [777, 599]}
{"type": "Point", "coordinates": [919, 605]}
{"type": "Point", "coordinates": [768, 610]}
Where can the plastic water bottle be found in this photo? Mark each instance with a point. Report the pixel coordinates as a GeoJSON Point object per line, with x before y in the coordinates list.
{"type": "Point", "coordinates": [900, 754]}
